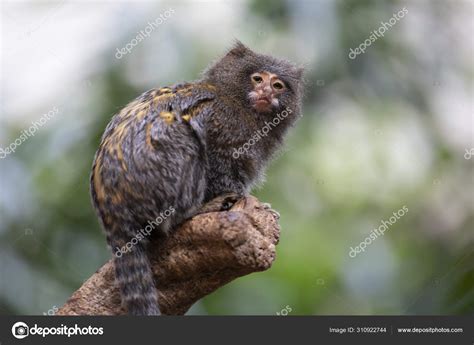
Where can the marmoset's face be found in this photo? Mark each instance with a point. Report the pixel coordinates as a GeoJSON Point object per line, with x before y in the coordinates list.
{"type": "Point", "coordinates": [266, 91]}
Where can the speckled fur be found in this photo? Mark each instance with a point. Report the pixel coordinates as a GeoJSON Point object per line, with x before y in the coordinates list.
{"type": "Point", "coordinates": [172, 147]}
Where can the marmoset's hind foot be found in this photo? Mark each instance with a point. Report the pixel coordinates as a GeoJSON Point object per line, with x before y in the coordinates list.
{"type": "Point", "coordinates": [267, 206]}
{"type": "Point", "coordinates": [223, 202]}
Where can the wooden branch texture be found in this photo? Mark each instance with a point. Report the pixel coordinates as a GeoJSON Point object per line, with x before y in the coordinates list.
{"type": "Point", "coordinates": [204, 254]}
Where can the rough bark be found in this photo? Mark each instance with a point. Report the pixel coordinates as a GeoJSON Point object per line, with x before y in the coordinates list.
{"type": "Point", "coordinates": [204, 254]}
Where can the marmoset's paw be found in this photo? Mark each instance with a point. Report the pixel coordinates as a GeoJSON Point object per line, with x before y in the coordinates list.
{"type": "Point", "coordinates": [223, 202]}
{"type": "Point", "coordinates": [267, 206]}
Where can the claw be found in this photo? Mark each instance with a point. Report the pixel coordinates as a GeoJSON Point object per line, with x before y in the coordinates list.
{"type": "Point", "coordinates": [221, 203]}
{"type": "Point", "coordinates": [267, 206]}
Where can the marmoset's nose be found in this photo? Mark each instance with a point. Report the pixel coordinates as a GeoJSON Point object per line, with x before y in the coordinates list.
{"type": "Point", "coordinates": [266, 87]}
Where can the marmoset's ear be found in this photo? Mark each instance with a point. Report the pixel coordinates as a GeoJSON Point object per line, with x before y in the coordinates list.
{"type": "Point", "coordinates": [299, 72]}
{"type": "Point", "coordinates": [238, 50]}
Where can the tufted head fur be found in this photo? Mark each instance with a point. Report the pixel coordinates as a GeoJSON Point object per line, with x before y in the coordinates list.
{"type": "Point", "coordinates": [232, 75]}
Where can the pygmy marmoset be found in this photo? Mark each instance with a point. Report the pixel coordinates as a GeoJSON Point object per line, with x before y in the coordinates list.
{"type": "Point", "coordinates": [174, 148]}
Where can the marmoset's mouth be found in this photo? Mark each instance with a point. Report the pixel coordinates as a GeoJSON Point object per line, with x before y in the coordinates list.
{"type": "Point", "coordinates": [262, 104]}
{"type": "Point", "coordinates": [263, 101]}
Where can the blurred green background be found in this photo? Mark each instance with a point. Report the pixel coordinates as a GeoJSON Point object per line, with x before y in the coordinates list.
{"type": "Point", "coordinates": [386, 129]}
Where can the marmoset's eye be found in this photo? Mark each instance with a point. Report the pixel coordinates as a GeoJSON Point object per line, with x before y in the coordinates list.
{"type": "Point", "coordinates": [278, 85]}
{"type": "Point", "coordinates": [256, 78]}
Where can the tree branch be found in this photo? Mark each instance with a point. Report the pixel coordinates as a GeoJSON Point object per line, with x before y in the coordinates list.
{"type": "Point", "coordinates": [204, 254]}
